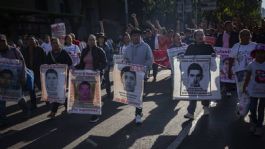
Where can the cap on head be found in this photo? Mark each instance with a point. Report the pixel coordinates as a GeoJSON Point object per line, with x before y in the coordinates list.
{"type": "Point", "coordinates": [136, 31]}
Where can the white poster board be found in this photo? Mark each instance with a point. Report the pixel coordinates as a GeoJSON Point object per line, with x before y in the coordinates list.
{"type": "Point", "coordinates": [196, 78]}
{"type": "Point", "coordinates": [10, 75]}
{"type": "Point", "coordinates": [53, 82]}
{"type": "Point", "coordinates": [128, 84]}
{"type": "Point", "coordinates": [84, 92]}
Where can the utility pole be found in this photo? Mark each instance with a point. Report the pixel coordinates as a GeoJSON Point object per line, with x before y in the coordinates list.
{"type": "Point", "coordinates": [126, 11]}
{"type": "Point", "coordinates": [196, 13]}
{"type": "Point", "coordinates": [183, 15]}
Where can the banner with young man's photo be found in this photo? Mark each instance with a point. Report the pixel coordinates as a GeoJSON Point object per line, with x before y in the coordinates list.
{"type": "Point", "coordinates": [53, 82]}
{"type": "Point", "coordinates": [128, 84]}
{"type": "Point", "coordinates": [10, 79]}
{"type": "Point", "coordinates": [227, 74]}
{"type": "Point", "coordinates": [84, 92]}
{"type": "Point", "coordinates": [196, 78]}
{"type": "Point", "coordinates": [58, 30]}
{"type": "Point", "coordinates": [176, 51]}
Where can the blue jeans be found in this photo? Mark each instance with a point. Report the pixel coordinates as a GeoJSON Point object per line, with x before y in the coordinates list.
{"type": "Point", "coordinates": [193, 103]}
{"type": "Point", "coordinates": [257, 120]}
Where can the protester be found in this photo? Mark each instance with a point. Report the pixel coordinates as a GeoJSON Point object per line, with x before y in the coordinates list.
{"type": "Point", "coordinates": [11, 53]}
{"type": "Point", "coordinates": [241, 54]}
{"type": "Point", "coordinates": [254, 87]}
{"type": "Point", "coordinates": [126, 40]}
{"type": "Point", "coordinates": [138, 53]}
{"type": "Point", "coordinates": [101, 38]}
{"type": "Point", "coordinates": [198, 48]}
{"type": "Point", "coordinates": [93, 58]}
{"type": "Point", "coordinates": [46, 45]}
{"type": "Point", "coordinates": [72, 49]}
{"type": "Point", "coordinates": [57, 56]}
{"type": "Point", "coordinates": [34, 57]}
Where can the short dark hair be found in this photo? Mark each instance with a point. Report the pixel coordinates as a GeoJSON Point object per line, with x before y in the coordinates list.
{"type": "Point", "coordinates": [127, 69]}
{"type": "Point", "coordinates": [84, 83]}
{"type": "Point", "coordinates": [136, 31]}
{"type": "Point", "coordinates": [227, 22]}
{"type": "Point", "coordinates": [6, 71]}
{"type": "Point", "coordinates": [51, 71]}
{"type": "Point", "coordinates": [195, 66]}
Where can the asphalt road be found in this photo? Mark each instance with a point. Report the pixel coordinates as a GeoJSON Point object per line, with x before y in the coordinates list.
{"type": "Point", "coordinates": [163, 125]}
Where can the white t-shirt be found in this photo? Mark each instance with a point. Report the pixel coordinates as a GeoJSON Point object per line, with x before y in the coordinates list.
{"type": "Point", "coordinates": [256, 87]}
{"type": "Point", "coordinates": [241, 54]}
{"type": "Point", "coordinates": [73, 51]}
{"type": "Point", "coordinates": [46, 47]}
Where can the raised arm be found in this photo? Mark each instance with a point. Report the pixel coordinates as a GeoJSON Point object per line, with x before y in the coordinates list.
{"type": "Point", "coordinates": [136, 23]}
{"type": "Point", "coordinates": [101, 26]}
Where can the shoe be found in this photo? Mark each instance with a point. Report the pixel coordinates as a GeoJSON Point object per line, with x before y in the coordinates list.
{"type": "Point", "coordinates": [189, 116]}
{"type": "Point", "coordinates": [94, 118]}
{"type": "Point", "coordinates": [228, 94]}
{"type": "Point", "coordinates": [51, 115]}
{"type": "Point", "coordinates": [206, 111]}
{"type": "Point", "coordinates": [138, 119]}
{"type": "Point", "coordinates": [33, 107]}
{"type": "Point", "coordinates": [252, 128]}
{"type": "Point", "coordinates": [258, 131]}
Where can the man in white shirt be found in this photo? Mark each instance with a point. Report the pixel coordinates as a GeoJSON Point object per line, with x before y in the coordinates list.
{"type": "Point", "coordinates": [46, 45]}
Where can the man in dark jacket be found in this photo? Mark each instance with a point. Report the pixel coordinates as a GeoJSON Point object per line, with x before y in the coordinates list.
{"type": "Point", "coordinates": [229, 36]}
{"type": "Point", "coordinates": [34, 57]}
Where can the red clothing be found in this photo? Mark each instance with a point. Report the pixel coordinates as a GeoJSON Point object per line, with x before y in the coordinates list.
{"type": "Point", "coordinates": [76, 42]}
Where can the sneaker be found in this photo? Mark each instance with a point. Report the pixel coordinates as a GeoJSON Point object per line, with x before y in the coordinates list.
{"type": "Point", "coordinates": [51, 115]}
{"type": "Point", "coordinates": [228, 94]}
{"type": "Point", "coordinates": [189, 116]}
{"type": "Point", "coordinates": [206, 111]}
{"type": "Point", "coordinates": [94, 118]}
{"type": "Point", "coordinates": [138, 119]}
{"type": "Point", "coordinates": [258, 131]}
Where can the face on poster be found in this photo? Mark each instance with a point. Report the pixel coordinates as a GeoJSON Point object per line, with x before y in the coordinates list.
{"type": "Point", "coordinates": [226, 65]}
{"type": "Point", "coordinates": [84, 91]}
{"type": "Point", "coordinates": [9, 79]}
{"type": "Point", "coordinates": [53, 81]}
{"type": "Point", "coordinates": [195, 77]}
{"type": "Point", "coordinates": [128, 84]}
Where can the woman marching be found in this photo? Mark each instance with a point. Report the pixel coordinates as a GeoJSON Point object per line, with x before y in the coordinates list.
{"type": "Point", "coordinates": [57, 56]}
{"type": "Point", "coordinates": [93, 58]}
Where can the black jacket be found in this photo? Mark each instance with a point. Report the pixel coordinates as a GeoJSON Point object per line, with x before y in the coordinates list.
{"type": "Point", "coordinates": [99, 58]}
{"type": "Point", "coordinates": [232, 40]}
{"type": "Point", "coordinates": [38, 58]}
{"type": "Point", "coordinates": [199, 49]}
{"type": "Point", "coordinates": [59, 58]}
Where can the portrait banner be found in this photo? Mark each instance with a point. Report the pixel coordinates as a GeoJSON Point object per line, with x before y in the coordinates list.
{"type": "Point", "coordinates": [10, 79]}
{"type": "Point", "coordinates": [128, 84]}
{"type": "Point", "coordinates": [58, 30]}
{"type": "Point", "coordinates": [84, 92]}
{"type": "Point", "coordinates": [176, 51]}
{"type": "Point", "coordinates": [118, 59]}
{"type": "Point", "coordinates": [53, 82]}
{"type": "Point", "coordinates": [227, 73]}
{"type": "Point", "coordinates": [161, 58]}
{"type": "Point", "coordinates": [196, 78]}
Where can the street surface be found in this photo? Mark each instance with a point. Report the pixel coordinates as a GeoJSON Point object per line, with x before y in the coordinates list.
{"type": "Point", "coordinates": [163, 125]}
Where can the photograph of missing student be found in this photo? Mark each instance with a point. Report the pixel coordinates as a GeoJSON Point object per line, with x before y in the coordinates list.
{"type": "Point", "coordinates": [194, 79]}
{"type": "Point", "coordinates": [53, 81]}
{"type": "Point", "coordinates": [227, 74]}
{"type": "Point", "coordinates": [84, 92]}
{"type": "Point", "coordinates": [128, 84]}
{"type": "Point", "coordinates": [10, 72]}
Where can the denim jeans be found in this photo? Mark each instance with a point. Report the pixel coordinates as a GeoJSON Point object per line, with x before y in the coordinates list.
{"type": "Point", "coordinates": [254, 118]}
{"type": "Point", "coordinates": [193, 103]}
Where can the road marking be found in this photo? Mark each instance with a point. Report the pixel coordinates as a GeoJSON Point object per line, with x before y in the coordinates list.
{"type": "Point", "coordinates": [184, 132]}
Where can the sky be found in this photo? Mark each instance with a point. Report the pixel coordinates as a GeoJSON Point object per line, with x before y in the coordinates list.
{"type": "Point", "coordinates": [263, 3]}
